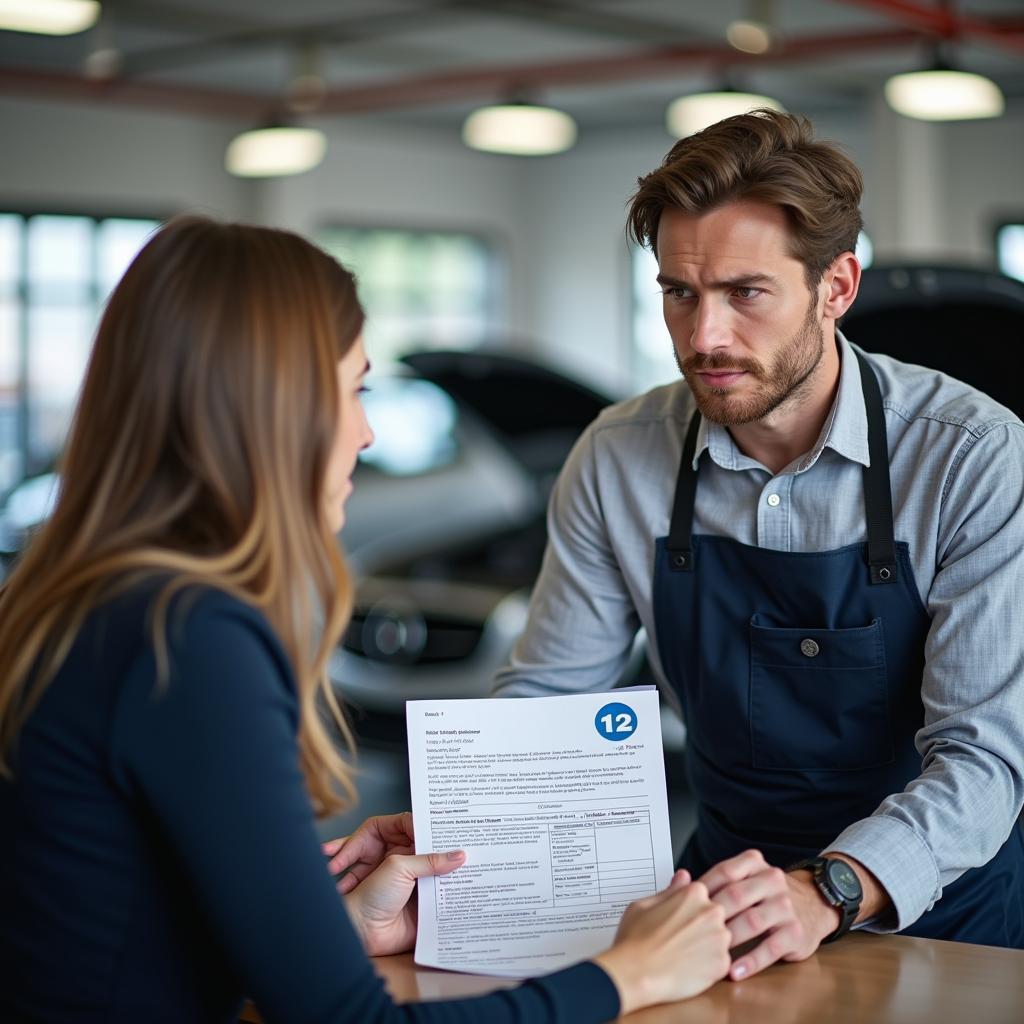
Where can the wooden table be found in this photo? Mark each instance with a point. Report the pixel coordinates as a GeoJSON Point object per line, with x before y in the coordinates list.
{"type": "Point", "coordinates": [864, 979]}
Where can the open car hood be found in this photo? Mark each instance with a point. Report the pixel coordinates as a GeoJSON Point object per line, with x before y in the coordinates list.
{"type": "Point", "coordinates": [536, 411]}
{"type": "Point", "coordinates": [965, 321]}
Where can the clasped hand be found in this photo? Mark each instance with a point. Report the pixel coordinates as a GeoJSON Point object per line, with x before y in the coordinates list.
{"type": "Point", "coordinates": [381, 871]}
{"type": "Point", "coordinates": [783, 911]}
{"type": "Point", "coordinates": [781, 914]}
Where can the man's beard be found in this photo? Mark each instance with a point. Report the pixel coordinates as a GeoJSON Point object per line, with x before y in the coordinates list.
{"type": "Point", "coordinates": [788, 376]}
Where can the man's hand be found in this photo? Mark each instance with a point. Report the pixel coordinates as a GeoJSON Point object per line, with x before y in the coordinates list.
{"type": "Point", "coordinates": [364, 850]}
{"type": "Point", "coordinates": [785, 913]}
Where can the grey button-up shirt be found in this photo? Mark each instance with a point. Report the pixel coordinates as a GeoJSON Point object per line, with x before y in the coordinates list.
{"type": "Point", "coordinates": [956, 462]}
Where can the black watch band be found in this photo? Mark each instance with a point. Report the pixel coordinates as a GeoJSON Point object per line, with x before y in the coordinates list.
{"type": "Point", "coordinates": [839, 887]}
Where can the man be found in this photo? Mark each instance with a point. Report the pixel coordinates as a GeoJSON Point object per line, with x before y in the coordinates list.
{"type": "Point", "coordinates": [826, 549]}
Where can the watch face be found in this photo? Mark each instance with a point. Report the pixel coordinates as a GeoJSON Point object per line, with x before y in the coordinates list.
{"type": "Point", "coordinates": [845, 880]}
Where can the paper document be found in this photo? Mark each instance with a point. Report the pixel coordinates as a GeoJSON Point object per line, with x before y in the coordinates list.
{"type": "Point", "coordinates": [560, 805]}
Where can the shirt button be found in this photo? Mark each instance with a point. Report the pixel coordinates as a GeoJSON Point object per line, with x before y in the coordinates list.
{"type": "Point", "coordinates": [809, 648]}
{"type": "Point", "coordinates": [773, 500]}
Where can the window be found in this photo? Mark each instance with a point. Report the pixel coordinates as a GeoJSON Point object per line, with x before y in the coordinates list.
{"type": "Point", "coordinates": [55, 274]}
{"type": "Point", "coordinates": [420, 289]}
{"type": "Point", "coordinates": [1010, 249]}
{"type": "Point", "coordinates": [653, 356]}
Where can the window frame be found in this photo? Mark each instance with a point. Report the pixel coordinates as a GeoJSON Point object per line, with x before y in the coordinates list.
{"type": "Point", "coordinates": [26, 211]}
{"type": "Point", "coordinates": [495, 242]}
{"type": "Point", "coordinates": [1014, 219]}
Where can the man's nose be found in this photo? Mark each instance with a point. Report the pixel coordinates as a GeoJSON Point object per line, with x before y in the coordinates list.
{"type": "Point", "coordinates": [711, 330]}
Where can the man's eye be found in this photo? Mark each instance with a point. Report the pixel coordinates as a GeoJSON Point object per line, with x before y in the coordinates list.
{"type": "Point", "coordinates": [748, 293]}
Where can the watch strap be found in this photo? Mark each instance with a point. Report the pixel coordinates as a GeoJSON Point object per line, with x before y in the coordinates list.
{"type": "Point", "coordinates": [847, 908]}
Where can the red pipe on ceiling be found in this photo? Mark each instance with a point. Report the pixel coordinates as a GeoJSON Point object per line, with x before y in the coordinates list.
{"type": "Point", "coordinates": [945, 21]}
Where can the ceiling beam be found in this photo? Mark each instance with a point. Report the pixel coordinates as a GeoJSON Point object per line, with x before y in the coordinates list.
{"type": "Point", "coordinates": [60, 85]}
{"type": "Point", "coordinates": [639, 65]}
{"type": "Point", "coordinates": [470, 83]}
{"type": "Point", "coordinates": [333, 31]}
{"type": "Point", "coordinates": [587, 17]}
{"type": "Point", "coordinates": [177, 17]}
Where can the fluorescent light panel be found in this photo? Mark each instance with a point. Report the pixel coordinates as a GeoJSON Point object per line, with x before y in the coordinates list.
{"type": "Point", "coordinates": [48, 17]}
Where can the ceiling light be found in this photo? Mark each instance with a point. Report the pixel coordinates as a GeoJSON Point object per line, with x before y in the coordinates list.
{"type": "Point", "coordinates": [944, 95]}
{"type": "Point", "coordinates": [48, 17]}
{"type": "Point", "coordinates": [275, 152]}
{"type": "Point", "coordinates": [749, 36]}
{"type": "Point", "coordinates": [102, 63]}
{"type": "Point", "coordinates": [519, 129]}
{"type": "Point", "coordinates": [690, 114]}
{"type": "Point", "coordinates": [308, 87]}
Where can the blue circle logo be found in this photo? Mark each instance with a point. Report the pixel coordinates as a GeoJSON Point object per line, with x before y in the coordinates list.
{"type": "Point", "coordinates": [616, 722]}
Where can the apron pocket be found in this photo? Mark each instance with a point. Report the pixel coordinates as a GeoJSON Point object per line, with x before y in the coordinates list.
{"type": "Point", "coordinates": [819, 699]}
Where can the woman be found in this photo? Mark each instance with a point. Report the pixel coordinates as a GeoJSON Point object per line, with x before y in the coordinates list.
{"type": "Point", "coordinates": [163, 647]}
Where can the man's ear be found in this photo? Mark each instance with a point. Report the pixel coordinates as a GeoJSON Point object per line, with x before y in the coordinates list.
{"type": "Point", "coordinates": [841, 280]}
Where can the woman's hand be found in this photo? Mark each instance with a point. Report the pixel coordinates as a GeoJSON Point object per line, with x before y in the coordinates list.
{"type": "Point", "coordinates": [669, 946]}
{"type": "Point", "coordinates": [381, 905]}
{"type": "Point", "coordinates": [364, 850]}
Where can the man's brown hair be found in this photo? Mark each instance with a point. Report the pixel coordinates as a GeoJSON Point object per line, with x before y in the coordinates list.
{"type": "Point", "coordinates": [764, 157]}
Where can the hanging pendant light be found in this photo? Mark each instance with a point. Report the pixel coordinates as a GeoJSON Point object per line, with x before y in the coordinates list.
{"type": "Point", "coordinates": [690, 114]}
{"type": "Point", "coordinates": [756, 32]}
{"type": "Point", "coordinates": [944, 94]}
{"type": "Point", "coordinates": [749, 36]}
{"type": "Point", "coordinates": [275, 151]}
{"type": "Point", "coordinates": [519, 129]}
{"type": "Point", "coordinates": [48, 17]}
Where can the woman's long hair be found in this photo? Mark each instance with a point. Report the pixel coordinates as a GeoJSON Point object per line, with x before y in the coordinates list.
{"type": "Point", "coordinates": [198, 455]}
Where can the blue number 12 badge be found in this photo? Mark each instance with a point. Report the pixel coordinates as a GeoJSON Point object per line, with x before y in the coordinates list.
{"type": "Point", "coordinates": [616, 721]}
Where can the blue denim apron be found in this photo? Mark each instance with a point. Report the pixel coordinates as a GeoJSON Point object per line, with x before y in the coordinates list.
{"type": "Point", "coordinates": [799, 675]}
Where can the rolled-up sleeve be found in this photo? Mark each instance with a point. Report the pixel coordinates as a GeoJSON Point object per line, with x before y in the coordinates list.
{"type": "Point", "coordinates": [958, 812]}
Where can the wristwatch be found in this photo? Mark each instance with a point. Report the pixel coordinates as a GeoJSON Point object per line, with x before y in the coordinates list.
{"type": "Point", "coordinates": [839, 887]}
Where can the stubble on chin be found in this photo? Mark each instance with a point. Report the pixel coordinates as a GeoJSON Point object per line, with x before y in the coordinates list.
{"type": "Point", "coordinates": [789, 378]}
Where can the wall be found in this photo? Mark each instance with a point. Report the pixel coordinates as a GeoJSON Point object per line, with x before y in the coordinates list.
{"type": "Point", "coordinates": [983, 181]}
{"type": "Point", "coordinates": [422, 179]}
{"type": "Point", "coordinates": [83, 157]}
{"type": "Point", "coordinates": [582, 298]}
{"type": "Point", "coordinates": [932, 191]}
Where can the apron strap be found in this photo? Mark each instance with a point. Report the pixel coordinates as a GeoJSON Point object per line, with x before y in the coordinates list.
{"type": "Point", "coordinates": [680, 544]}
{"type": "Point", "coordinates": [877, 488]}
{"type": "Point", "coordinates": [877, 491]}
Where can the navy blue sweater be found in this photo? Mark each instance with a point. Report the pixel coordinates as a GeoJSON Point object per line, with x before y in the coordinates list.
{"type": "Point", "coordinates": [158, 857]}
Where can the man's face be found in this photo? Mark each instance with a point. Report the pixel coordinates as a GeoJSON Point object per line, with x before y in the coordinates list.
{"type": "Point", "coordinates": [744, 324]}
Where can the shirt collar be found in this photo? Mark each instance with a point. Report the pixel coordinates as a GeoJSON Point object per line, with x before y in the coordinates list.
{"type": "Point", "coordinates": [845, 430]}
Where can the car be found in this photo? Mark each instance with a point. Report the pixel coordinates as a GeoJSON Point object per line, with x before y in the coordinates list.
{"type": "Point", "coordinates": [25, 507]}
{"type": "Point", "coordinates": [445, 527]}
{"type": "Point", "coordinates": [965, 321]}
{"type": "Point", "coordinates": [447, 543]}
